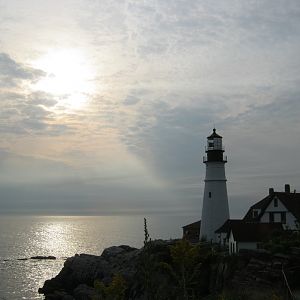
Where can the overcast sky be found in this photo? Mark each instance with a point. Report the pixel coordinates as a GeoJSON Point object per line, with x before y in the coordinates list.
{"type": "Point", "coordinates": [105, 106]}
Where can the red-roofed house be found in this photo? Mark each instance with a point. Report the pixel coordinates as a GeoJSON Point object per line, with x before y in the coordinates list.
{"type": "Point", "coordinates": [283, 207]}
{"type": "Point", "coordinates": [242, 235]}
{"type": "Point", "coordinates": [191, 232]}
{"type": "Point", "coordinates": [277, 211]}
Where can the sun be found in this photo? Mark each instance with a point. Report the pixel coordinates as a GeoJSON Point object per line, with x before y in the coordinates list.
{"type": "Point", "coordinates": [70, 76]}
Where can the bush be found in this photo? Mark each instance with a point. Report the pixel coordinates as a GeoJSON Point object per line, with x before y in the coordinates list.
{"type": "Point", "coordinates": [282, 241]}
{"type": "Point", "coordinates": [114, 291]}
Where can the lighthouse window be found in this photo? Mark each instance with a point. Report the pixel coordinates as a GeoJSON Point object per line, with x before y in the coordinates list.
{"type": "Point", "coordinates": [209, 194]}
{"type": "Point", "coordinates": [218, 143]}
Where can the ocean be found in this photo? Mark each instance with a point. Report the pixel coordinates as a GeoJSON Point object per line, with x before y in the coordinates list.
{"type": "Point", "coordinates": [22, 237]}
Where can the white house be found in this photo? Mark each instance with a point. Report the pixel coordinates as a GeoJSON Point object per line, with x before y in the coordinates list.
{"type": "Point", "coordinates": [283, 207]}
{"type": "Point", "coordinates": [277, 211]}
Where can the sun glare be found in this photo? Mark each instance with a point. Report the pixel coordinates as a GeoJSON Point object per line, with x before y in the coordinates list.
{"type": "Point", "coordinates": [69, 74]}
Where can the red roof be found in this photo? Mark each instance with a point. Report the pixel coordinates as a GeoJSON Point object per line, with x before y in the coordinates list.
{"type": "Point", "coordinates": [192, 225]}
{"type": "Point", "coordinates": [227, 225]}
{"type": "Point", "coordinates": [191, 232]}
{"type": "Point", "coordinates": [253, 232]}
{"type": "Point", "coordinates": [290, 200]}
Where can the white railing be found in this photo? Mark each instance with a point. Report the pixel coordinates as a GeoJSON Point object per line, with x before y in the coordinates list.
{"type": "Point", "coordinates": [207, 148]}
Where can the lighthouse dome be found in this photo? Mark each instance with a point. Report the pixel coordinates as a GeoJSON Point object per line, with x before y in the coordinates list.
{"type": "Point", "coordinates": [214, 135]}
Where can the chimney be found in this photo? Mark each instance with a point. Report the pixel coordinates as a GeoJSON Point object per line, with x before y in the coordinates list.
{"type": "Point", "coordinates": [287, 188]}
{"type": "Point", "coordinates": [271, 191]}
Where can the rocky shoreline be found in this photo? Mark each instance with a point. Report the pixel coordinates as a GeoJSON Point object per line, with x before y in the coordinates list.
{"type": "Point", "coordinates": [76, 279]}
{"type": "Point", "coordinates": [259, 272]}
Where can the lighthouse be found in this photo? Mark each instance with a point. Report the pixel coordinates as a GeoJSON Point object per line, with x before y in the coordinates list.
{"type": "Point", "coordinates": [215, 210]}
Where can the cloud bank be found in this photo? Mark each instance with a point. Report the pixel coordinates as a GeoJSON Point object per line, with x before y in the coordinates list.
{"type": "Point", "coordinates": [164, 74]}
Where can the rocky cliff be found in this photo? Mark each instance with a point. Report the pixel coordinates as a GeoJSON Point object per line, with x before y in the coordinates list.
{"type": "Point", "coordinates": [160, 273]}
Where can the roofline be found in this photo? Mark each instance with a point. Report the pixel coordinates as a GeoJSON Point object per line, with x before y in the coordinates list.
{"type": "Point", "coordinates": [191, 224]}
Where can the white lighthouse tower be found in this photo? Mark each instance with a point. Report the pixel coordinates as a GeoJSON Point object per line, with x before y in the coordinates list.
{"type": "Point", "coordinates": [215, 210]}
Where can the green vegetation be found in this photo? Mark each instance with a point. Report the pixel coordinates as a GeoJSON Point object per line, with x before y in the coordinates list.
{"type": "Point", "coordinates": [282, 241]}
{"type": "Point", "coordinates": [244, 295]}
{"type": "Point", "coordinates": [184, 268]}
{"type": "Point", "coordinates": [147, 265]}
{"type": "Point", "coordinates": [178, 270]}
{"type": "Point", "coordinates": [114, 291]}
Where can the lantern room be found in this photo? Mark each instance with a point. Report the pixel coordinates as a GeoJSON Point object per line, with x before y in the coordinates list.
{"type": "Point", "coordinates": [214, 148]}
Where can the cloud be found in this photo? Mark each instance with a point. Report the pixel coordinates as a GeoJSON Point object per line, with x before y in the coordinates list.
{"type": "Point", "coordinates": [170, 141]}
{"type": "Point", "coordinates": [131, 100]}
{"type": "Point", "coordinates": [23, 111]}
{"type": "Point", "coordinates": [11, 72]}
{"type": "Point", "coordinates": [42, 98]}
{"type": "Point", "coordinates": [166, 71]}
{"type": "Point", "coordinates": [260, 139]}
{"type": "Point", "coordinates": [24, 114]}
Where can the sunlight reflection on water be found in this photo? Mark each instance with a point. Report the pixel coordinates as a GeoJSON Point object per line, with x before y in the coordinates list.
{"type": "Point", "coordinates": [24, 237]}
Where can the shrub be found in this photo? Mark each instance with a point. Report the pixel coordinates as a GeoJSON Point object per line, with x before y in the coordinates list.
{"type": "Point", "coordinates": [114, 291]}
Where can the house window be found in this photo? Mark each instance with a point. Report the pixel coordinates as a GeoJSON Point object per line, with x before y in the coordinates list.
{"type": "Point", "coordinates": [209, 194]}
{"type": "Point", "coordinates": [275, 202]}
{"type": "Point", "coordinates": [255, 213]}
{"type": "Point", "coordinates": [283, 217]}
{"type": "Point", "coordinates": [271, 217]}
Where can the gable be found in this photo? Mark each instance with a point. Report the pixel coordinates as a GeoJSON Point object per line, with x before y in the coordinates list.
{"type": "Point", "coordinates": [276, 205]}
{"type": "Point", "coordinates": [259, 207]}
{"type": "Point", "coordinates": [286, 202]}
{"type": "Point", "coordinates": [292, 203]}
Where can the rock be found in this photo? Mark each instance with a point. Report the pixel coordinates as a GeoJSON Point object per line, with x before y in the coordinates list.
{"type": "Point", "coordinates": [282, 256]}
{"type": "Point", "coordinates": [52, 297]}
{"type": "Point", "coordinates": [76, 280]}
{"type": "Point", "coordinates": [43, 257]}
{"type": "Point", "coordinates": [111, 252]}
{"type": "Point", "coordinates": [295, 250]}
{"type": "Point", "coordinates": [84, 292]}
{"type": "Point", "coordinates": [277, 264]}
{"type": "Point", "coordinates": [68, 297]}
{"type": "Point", "coordinates": [257, 262]}
{"type": "Point", "coordinates": [80, 271]}
{"type": "Point", "coordinates": [258, 266]}
{"type": "Point", "coordinates": [50, 286]}
{"type": "Point", "coordinates": [58, 295]}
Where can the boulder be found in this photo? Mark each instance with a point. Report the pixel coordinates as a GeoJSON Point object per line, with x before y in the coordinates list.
{"type": "Point", "coordinates": [76, 280]}
{"type": "Point", "coordinates": [80, 271]}
{"type": "Point", "coordinates": [84, 292]}
{"type": "Point", "coordinates": [58, 295]}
